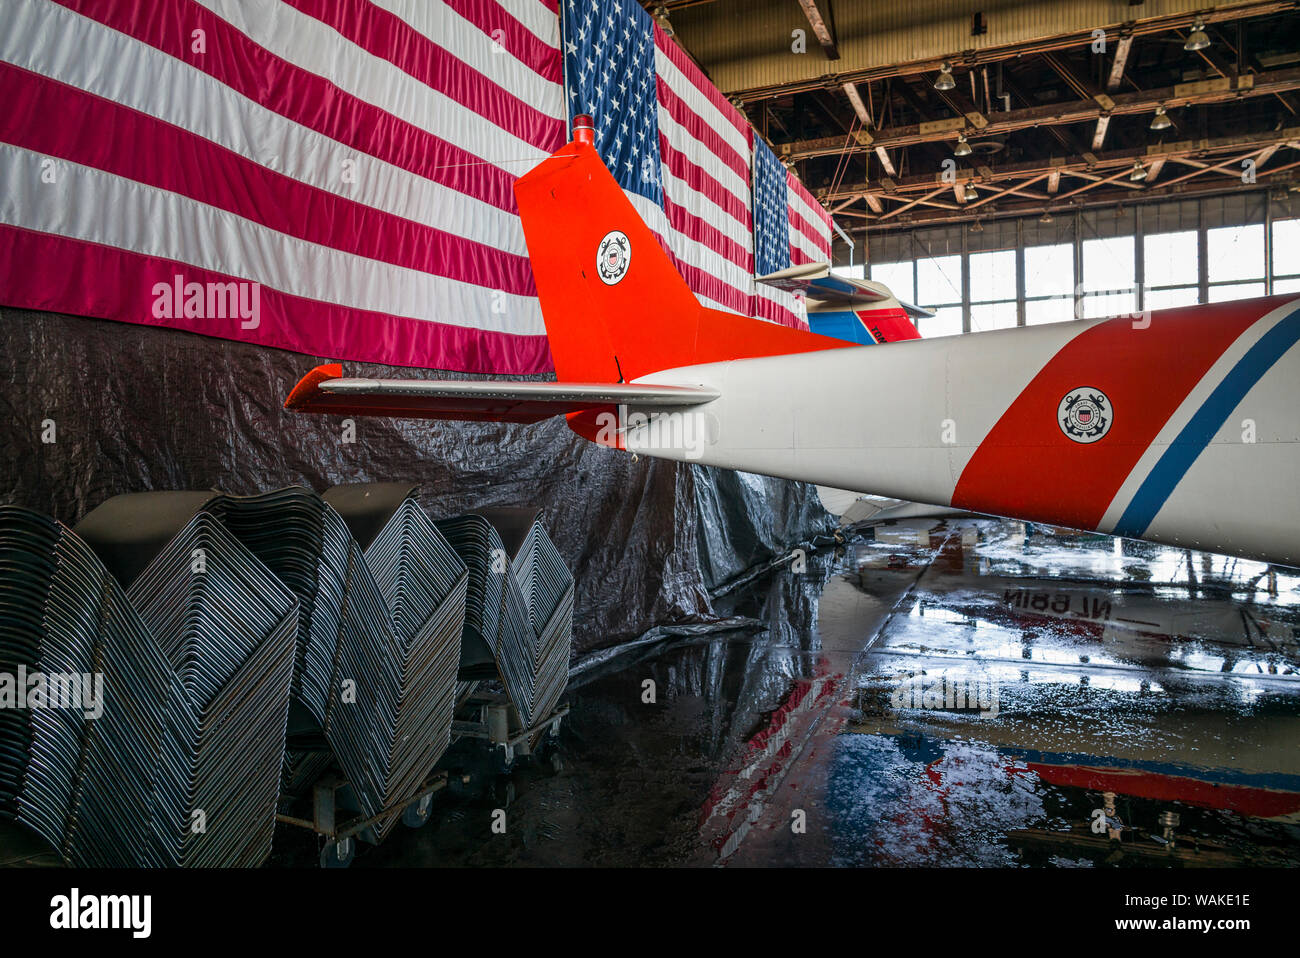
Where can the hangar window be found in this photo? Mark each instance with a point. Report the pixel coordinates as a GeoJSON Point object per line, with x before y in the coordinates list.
{"type": "Point", "coordinates": [992, 290]}
{"type": "Point", "coordinates": [1170, 298]}
{"type": "Point", "coordinates": [1286, 256]}
{"type": "Point", "coordinates": [1224, 292]}
{"type": "Point", "coordinates": [1235, 262]}
{"type": "Point", "coordinates": [1109, 285]}
{"type": "Point", "coordinates": [1059, 309]}
{"type": "Point", "coordinates": [986, 316]}
{"type": "Point", "coordinates": [898, 277]}
{"type": "Point", "coordinates": [939, 279]}
{"type": "Point", "coordinates": [946, 321]}
{"type": "Point", "coordinates": [1049, 284]}
{"type": "Point", "coordinates": [1171, 264]}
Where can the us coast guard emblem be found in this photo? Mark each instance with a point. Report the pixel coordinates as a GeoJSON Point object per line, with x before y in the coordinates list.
{"type": "Point", "coordinates": [1085, 414]}
{"type": "Point", "coordinates": [613, 257]}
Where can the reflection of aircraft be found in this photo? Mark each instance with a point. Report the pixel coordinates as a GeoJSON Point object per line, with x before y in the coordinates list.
{"type": "Point", "coordinates": [1127, 767]}
{"type": "Point", "coordinates": [1100, 610]}
{"type": "Point", "coordinates": [1178, 427]}
{"type": "Point", "coordinates": [854, 508]}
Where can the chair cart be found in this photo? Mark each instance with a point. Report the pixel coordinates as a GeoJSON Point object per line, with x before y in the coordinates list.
{"type": "Point", "coordinates": [341, 837]}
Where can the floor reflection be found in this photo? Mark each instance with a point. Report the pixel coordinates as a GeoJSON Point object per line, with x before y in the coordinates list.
{"type": "Point", "coordinates": [1132, 705]}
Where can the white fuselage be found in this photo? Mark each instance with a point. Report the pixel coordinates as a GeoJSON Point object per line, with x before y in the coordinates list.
{"type": "Point", "coordinates": [905, 420]}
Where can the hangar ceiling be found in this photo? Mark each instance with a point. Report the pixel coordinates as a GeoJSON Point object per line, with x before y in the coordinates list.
{"type": "Point", "coordinates": [898, 115]}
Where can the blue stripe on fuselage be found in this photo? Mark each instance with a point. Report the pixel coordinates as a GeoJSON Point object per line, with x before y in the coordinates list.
{"type": "Point", "coordinates": [1208, 420]}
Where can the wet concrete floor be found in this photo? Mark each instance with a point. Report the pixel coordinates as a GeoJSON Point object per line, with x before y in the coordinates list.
{"type": "Point", "coordinates": [968, 692]}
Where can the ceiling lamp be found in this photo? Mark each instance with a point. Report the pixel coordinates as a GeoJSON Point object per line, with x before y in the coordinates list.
{"type": "Point", "coordinates": [1198, 39]}
{"type": "Point", "coordinates": [962, 148]}
{"type": "Point", "coordinates": [1139, 172]}
{"type": "Point", "coordinates": [971, 194]}
{"type": "Point", "coordinates": [1161, 120]}
{"type": "Point", "coordinates": [944, 80]}
{"type": "Point", "coordinates": [1046, 217]}
{"type": "Point", "coordinates": [661, 18]}
{"type": "Point", "coordinates": [977, 226]}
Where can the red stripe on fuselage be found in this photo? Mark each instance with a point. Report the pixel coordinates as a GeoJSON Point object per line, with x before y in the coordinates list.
{"type": "Point", "coordinates": [1028, 468]}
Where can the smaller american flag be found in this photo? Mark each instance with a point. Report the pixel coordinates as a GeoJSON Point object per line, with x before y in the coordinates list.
{"type": "Point", "coordinates": [771, 212]}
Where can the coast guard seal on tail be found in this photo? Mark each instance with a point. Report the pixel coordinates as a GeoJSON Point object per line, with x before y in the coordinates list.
{"type": "Point", "coordinates": [1085, 414]}
{"type": "Point", "coordinates": [613, 257]}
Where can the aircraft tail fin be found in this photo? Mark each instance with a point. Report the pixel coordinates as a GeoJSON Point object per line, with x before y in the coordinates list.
{"type": "Point", "coordinates": [616, 307]}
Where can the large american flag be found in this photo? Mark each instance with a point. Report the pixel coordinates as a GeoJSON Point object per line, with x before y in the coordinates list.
{"type": "Point", "coordinates": [352, 158]}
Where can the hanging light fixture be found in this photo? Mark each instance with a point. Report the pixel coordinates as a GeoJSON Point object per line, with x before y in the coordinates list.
{"type": "Point", "coordinates": [661, 17]}
{"type": "Point", "coordinates": [1161, 120]}
{"type": "Point", "coordinates": [944, 81]}
{"type": "Point", "coordinates": [1198, 39]}
{"type": "Point", "coordinates": [1139, 172]}
{"type": "Point", "coordinates": [1046, 217]}
{"type": "Point", "coordinates": [977, 226]}
{"type": "Point", "coordinates": [971, 194]}
{"type": "Point", "coordinates": [962, 148]}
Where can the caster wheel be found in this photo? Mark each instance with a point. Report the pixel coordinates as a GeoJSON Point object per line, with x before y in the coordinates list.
{"type": "Point", "coordinates": [547, 756]}
{"type": "Point", "coordinates": [338, 854]}
{"type": "Point", "coordinates": [503, 762]}
{"type": "Point", "coordinates": [503, 793]}
{"type": "Point", "coordinates": [418, 813]}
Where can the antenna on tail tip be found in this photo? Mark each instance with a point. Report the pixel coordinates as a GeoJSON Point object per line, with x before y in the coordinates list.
{"type": "Point", "coordinates": [584, 129]}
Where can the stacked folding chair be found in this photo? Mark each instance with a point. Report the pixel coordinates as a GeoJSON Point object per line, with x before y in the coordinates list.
{"type": "Point", "coordinates": [228, 628]}
{"type": "Point", "coordinates": [85, 784]}
{"type": "Point", "coordinates": [479, 546]}
{"type": "Point", "coordinates": [208, 616]}
{"type": "Point", "coordinates": [519, 606]}
{"type": "Point", "coordinates": [284, 529]}
{"type": "Point", "coordinates": [303, 767]}
{"type": "Point", "coordinates": [225, 627]}
{"type": "Point", "coordinates": [398, 650]}
{"type": "Point", "coordinates": [546, 587]}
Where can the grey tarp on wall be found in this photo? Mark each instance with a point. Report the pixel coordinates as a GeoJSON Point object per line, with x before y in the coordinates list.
{"type": "Point", "coordinates": [136, 408]}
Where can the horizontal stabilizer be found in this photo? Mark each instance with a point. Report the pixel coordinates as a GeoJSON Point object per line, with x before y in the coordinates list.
{"type": "Point", "coordinates": [826, 290]}
{"type": "Point", "coordinates": [797, 279]}
{"type": "Point", "coordinates": [916, 312]}
{"type": "Point", "coordinates": [325, 390]}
